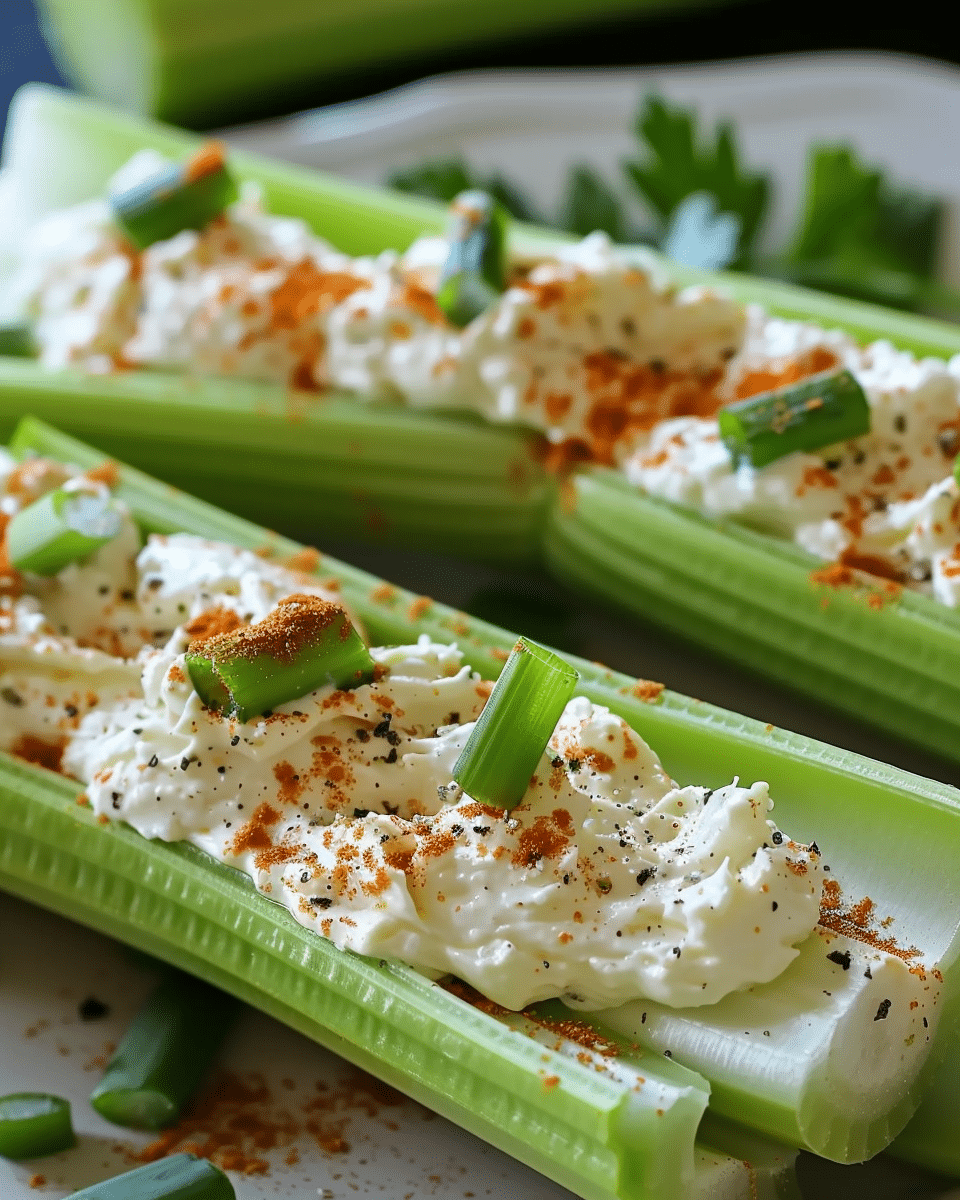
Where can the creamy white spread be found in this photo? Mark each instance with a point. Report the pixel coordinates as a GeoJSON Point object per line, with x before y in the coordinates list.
{"type": "Point", "coordinates": [608, 882]}
{"type": "Point", "coordinates": [590, 346]}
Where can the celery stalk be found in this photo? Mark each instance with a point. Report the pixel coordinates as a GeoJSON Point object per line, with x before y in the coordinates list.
{"type": "Point", "coordinates": [886, 834]}
{"type": "Point", "coordinates": [353, 470]}
{"type": "Point", "coordinates": [231, 52]}
{"type": "Point", "coordinates": [890, 658]}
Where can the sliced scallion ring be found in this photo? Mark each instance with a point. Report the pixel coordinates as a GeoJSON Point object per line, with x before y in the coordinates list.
{"type": "Point", "coordinates": [815, 412]}
{"type": "Point", "coordinates": [304, 644]}
{"type": "Point", "coordinates": [62, 527]}
{"type": "Point", "coordinates": [513, 729]}
{"type": "Point", "coordinates": [475, 271]}
{"type": "Point", "coordinates": [33, 1124]}
{"type": "Point", "coordinates": [184, 195]}
{"type": "Point", "coordinates": [179, 1177]}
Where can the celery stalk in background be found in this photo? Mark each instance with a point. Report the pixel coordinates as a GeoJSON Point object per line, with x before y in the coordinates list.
{"type": "Point", "coordinates": [204, 63]}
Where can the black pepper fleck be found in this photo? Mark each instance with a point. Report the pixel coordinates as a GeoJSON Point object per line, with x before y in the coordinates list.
{"type": "Point", "coordinates": [92, 1009]}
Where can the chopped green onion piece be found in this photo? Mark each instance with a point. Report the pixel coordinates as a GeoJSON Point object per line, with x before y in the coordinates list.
{"type": "Point", "coordinates": [512, 732]}
{"type": "Point", "coordinates": [475, 272]}
{"type": "Point", "coordinates": [164, 1054]}
{"type": "Point", "coordinates": [956, 468]}
{"type": "Point", "coordinates": [61, 527]}
{"type": "Point", "coordinates": [16, 339]}
{"type": "Point", "coordinates": [304, 644]}
{"type": "Point", "coordinates": [185, 195]}
{"type": "Point", "coordinates": [179, 1177]}
{"type": "Point", "coordinates": [815, 412]}
{"type": "Point", "coordinates": [33, 1124]}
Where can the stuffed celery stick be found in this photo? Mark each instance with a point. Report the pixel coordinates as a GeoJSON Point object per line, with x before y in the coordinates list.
{"type": "Point", "coordinates": [597, 1116]}
{"type": "Point", "coordinates": [776, 1053]}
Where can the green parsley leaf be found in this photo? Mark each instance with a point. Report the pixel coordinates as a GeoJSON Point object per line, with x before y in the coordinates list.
{"type": "Point", "coordinates": [676, 166]}
{"type": "Point", "coordinates": [589, 203]}
{"type": "Point", "coordinates": [861, 236]}
{"type": "Point", "coordinates": [444, 179]}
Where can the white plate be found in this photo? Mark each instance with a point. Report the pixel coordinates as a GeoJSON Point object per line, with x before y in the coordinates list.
{"type": "Point", "coordinates": [368, 1140]}
{"type": "Point", "coordinates": [897, 111]}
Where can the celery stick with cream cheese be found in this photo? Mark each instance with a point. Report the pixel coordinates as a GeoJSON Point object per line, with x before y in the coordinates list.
{"type": "Point", "coordinates": [602, 829]}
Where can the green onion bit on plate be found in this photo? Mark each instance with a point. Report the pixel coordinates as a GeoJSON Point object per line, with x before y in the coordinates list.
{"type": "Point", "coordinates": [179, 1177]}
{"type": "Point", "coordinates": [186, 195]}
{"type": "Point", "coordinates": [33, 1124]}
{"type": "Point", "coordinates": [62, 527]}
{"type": "Point", "coordinates": [509, 738]}
{"type": "Point", "coordinates": [475, 271]}
{"type": "Point", "coordinates": [164, 1054]}
{"type": "Point", "coordinates": [816, 412]}
{"type": "Point", "coordinates": [16, 339]}
{"type": "Point", "coordinates": [304, 644]}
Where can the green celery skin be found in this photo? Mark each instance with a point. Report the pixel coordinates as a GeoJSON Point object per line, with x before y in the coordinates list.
{"type": "Point", "coordinates": [876, 825]}
{"type": "Point", "coordinates": [892, 659]}
{"type": "Point", "coordinates": [330, 465]}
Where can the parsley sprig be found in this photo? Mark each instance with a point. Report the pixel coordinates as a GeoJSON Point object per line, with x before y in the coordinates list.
{"type": "Point", "coordinates": [858, 233]}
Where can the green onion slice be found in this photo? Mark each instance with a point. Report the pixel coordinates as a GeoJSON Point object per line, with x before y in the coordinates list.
{"type": "Point", "coordinates": [16, 339]}
{"type": "Point", "coordinates": [179, 1177]}
{"type": "Point", "coordinates": [62, 527]}
{"type": "Point", "coordinates": [33, 1124]}
{"type": "Point", "coordinates": [164, 1054]}
{"type": "Point", "coordinates": [512, 732]}
{"type": "Point", "coordinates": [815, 412]}
{"type": "Point", "coordinates": [475, 272]}
{"type": "Point", "coordinates": [304, 644]}
{"type": "Point", "coordinates": [185, 195]}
